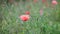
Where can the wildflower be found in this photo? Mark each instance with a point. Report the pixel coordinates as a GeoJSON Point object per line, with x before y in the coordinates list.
{"type": "Point", "coordinates": [35, 1]}
{"type": "Point", "coordinates": [43, 1]}
{"type": "Point", "coordinates": [27, 12]}
{"type": "Point", "coordinates": [24, 17]}
{"type": "Point", "coordinates": [41, 12]}
{"type": "Point", "coordinates": [54, 2]}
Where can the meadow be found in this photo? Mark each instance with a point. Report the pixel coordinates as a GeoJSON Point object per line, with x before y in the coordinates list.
{"type": "Point", "coordinates": [47, 23]}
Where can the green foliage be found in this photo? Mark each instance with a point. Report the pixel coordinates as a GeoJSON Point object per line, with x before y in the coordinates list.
{"type": "Point", "coordinates": [48, 23]}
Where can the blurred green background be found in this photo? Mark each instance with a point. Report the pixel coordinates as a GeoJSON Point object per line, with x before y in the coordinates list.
{"type": "Point", "coordinates": [10, 23]}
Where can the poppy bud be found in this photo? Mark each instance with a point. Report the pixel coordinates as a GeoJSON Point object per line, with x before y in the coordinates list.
{"type": "Point", "coordinates": [41, 12]}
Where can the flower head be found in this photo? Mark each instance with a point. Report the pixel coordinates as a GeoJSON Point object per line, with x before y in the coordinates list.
{"type": "Point", "coordinates": [41, 12]}
{"type": "Point", "coordinates": [54, 2]}
{"type": "Point", "coordinates": [24, 17]}
{"type": "Point", "coordinates": [43, 1]}
{"type": "Point", "coordinates": [27, 12]}
{"type": "Point", "coordinates": [35, 1]}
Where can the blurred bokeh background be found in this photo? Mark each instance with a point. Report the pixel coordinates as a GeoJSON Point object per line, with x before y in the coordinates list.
{"type": "Point", "coordinates": [48, 23]}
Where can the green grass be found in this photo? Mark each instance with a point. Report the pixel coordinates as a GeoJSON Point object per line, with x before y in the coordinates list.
{"type": "Point", "coordinates": [48, 23]}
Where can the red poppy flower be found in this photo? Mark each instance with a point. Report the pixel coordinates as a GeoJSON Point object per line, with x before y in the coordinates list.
{"type": "Point", "coordinates": [24, 17]}
{"type": "Point", "coordinates": [43, 1]}
{"type": "Point", "coordinates": [27, 12]}
{"type": "Point", "coordinates": [54, 2]}
{"type": "Point", "coordinates": [35, 1]}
